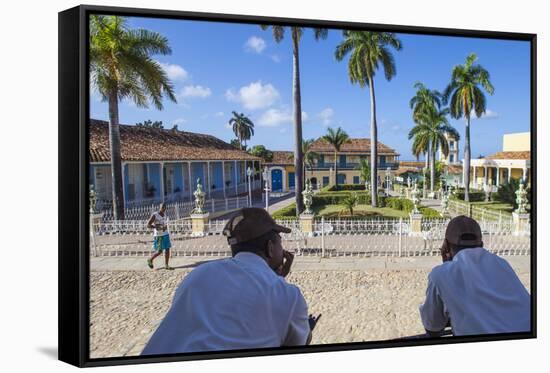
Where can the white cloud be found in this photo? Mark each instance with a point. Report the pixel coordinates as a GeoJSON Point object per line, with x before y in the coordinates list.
{"type": "Point", "coordinates": [275, 117]}
{"type": "Point", "coordinates": [275, 58]}
{"type": "Point", "coordinates": [326, 115]}
{"type": "Point", "coordinates": [219, 114]}
{"type": "Point", "coordinates": [195, 91]}
{"type": "Point", "coordinates": [255, 44]}
{"type": "Point", "coordinates": [254, 96]}
{"type": "Point", "coordinates": [489, 114]}
{"type": "Point", "coordinates": [174, 72]}
{"type": "Point", "coordinates": [178, 121]}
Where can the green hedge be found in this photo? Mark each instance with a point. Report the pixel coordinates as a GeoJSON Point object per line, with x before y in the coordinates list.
{"type": "Point", "coordinates": [475, 195]}
{"type": "Point", "coordinates": [287, 212]}
{"type": "Point", "coordinates": [337, 198]}
{"type": "Point", "coordinates": [344, 187]}
{"type": "Point", "coordinates": [402, 204]}
{"type": "Point", "coordinates": [428, 212]}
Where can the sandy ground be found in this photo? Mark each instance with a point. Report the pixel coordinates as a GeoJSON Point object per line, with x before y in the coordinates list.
{"type": "Point", "coordinates": [357, 304]}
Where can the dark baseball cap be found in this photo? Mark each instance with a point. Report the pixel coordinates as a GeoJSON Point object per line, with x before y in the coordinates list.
{"type": "Point", "coordinates": [250, 223]}
{"type": "Point", "coordinates": [463, 231]}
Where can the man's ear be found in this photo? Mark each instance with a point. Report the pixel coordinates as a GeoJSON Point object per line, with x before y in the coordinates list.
{"type": "Point", "coordinates": [269, 249]}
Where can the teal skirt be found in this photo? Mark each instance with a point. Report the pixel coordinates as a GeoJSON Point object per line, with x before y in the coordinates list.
{"type": "Point", "coordinates": [162, 243]}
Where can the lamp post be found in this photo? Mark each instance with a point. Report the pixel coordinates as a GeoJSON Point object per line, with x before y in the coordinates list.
{"type": "Point", "coordinates": [249, 174]}
{"type": "Point", "coordinates": [266, 188]}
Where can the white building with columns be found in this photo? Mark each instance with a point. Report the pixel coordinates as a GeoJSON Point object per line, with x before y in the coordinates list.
{"type": "Point", "coordinates": [164, 165]}
{"type": "Point", "coordinates": [514, 161]}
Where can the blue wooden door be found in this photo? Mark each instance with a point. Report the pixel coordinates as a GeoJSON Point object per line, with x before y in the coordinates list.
{"type": "Point", "coordinates": [276, 180]}
{"type": "Point", "coordinates": [291, 180]}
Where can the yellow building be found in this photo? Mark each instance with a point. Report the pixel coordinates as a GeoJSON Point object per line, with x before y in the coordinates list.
{"type": "Point", "coordinates": [513, 162]}
{"type": "Point", "coordinates": [282, 173]}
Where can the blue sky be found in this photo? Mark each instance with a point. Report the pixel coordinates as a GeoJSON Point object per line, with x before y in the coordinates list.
{"type": "Point", "coordinates": [220, 67]}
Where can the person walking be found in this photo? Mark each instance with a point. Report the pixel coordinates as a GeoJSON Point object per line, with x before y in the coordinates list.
{"type": "Point", "coordinates": [161, 237]}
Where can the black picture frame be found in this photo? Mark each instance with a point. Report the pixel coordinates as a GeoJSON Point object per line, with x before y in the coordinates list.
{"type": "Point", "coordinates": [73, 185]}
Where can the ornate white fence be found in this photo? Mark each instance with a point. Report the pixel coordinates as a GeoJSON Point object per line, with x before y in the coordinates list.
{"type": "Point", "coordinates": [330, 238]}
{"type": "Point", "coordinates": [477, 212]}
{"type": "Point", "coordinates": [177, 210]}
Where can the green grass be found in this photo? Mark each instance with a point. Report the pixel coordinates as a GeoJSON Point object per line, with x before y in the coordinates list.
{"type": "Point", "coordinates": [495, 205]}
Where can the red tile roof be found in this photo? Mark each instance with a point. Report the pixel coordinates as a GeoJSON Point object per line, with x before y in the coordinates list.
{"type": "Point", "coordinates": [153, 144]}
{"type": "Point", "coordinates": [402, 170]}
{"type": "Point", "coordinates": [418, 164]}
{"type": "Point", "coordinates": [454, 169]}
{"type": "Point", "coordinates": [282, 158]}
{"type": "Point", "coordinates": [354, 145]}
{"type": "Point", "coordinates": [511, 155]}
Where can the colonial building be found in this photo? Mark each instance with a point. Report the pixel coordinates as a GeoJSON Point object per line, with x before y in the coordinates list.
{"type": "Point", "coordinates": [321, 173]}
{"type": "Point", "coordinates": [160, 164]}
{"type": "Point", "coordinates": [514, 161]}
{"type": "Point", "coordinates": [451, 158]}
{"type": "Point", "coordinates": [281, 171]}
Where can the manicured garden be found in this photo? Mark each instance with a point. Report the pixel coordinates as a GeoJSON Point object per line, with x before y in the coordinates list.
{"type": "Point", "coordinates": [350, 203]}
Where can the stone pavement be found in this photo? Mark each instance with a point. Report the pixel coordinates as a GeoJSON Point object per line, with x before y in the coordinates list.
{"type": "Point", "coordinates": [300, 263]}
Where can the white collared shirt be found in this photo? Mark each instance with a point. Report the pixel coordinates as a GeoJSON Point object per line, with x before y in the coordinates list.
{"type": "Point", "coordinates": [479, 293]}
{"type": "Point", "coordinates": [236, 303]}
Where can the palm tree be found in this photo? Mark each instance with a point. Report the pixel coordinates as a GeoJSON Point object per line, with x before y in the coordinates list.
{"type": "Point", "coordinates": [243, 127]}
{"type": "Point", "coordinates": [364, 171]}
{"type": "Point", "coordinates": [350, 202]}
{"type": "Point", "coordinates": [278, 35]}
{"type": "Point", "coordinates": [429, 133]}
{"type": "Point", "coordinates": [336, 138]}
{"type": "Point", "coordinates": [465, 96]}
{"type": "Point", "coordinates": [367, 50]}
{"type": "Point", "coordinates": [121, 67]}
{"type": "Point", "coordinates": [309, 155]}
{"type": "Point", "coordinates": [424, 99]}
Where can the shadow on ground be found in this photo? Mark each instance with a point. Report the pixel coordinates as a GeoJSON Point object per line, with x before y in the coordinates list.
{"type": "Point", "coordinates": [196, 264]}
{"type": "Point", "coordinates": [50, 352]}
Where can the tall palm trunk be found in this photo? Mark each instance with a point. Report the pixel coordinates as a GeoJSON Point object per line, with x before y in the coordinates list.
{"type": "Point", "coordinates": [116, 161]}
{"type": "Point", "coordinates": [467, 161]}
{"type": "Point", "coordinates": [432, 169]}
{"type": "Point", "coordinates": [373, 147]}
{"type": "Point", "coordinates": [298, 156]}
{"type": "Point", "coordinates": [336, 170]}
{"type": "Point", "coordinates": [425, 172]}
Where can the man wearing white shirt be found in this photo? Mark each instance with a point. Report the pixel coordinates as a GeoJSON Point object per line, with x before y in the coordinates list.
{"type": "Point", "coordinates": [238, 303]}
{"type": "Point", "coordinates": [473, 291]}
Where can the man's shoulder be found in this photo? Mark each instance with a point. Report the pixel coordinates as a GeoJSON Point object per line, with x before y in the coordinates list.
{"type": "Point", "coordinates": [440, 270]}
{"type": "Point", "coordinates": [212, 266]}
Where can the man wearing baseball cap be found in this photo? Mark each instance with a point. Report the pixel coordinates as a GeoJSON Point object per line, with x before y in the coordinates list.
{"type": "Point", "coordinates": [473, 291]}
{"type": "Point", "coordinates": [238, 303]}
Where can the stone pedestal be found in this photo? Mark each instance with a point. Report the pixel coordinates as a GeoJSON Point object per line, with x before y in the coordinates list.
{"type": "Point", "coordinates": [416, 224]}
{"type": "Point", "coordinates": [95, 220]}
{"type": "Point", "coordinates": [521, 224]}
{"type": "Point", "coordinates": [306, 224]}
{"type": "Point", "coordinates": [199, 224]}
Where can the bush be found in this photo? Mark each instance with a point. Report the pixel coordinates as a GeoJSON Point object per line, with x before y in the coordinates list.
{"type": "Point", "coordinates": [476, 195]}
{"type": "Point", "coordinates": [288, 212]}
{"type": "Point", "coordinates": [428, 212]}
{"type": "Point", "coordinates": [507, 194]}
{"type": "Point", "coordinates": [401, 204]}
